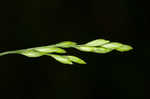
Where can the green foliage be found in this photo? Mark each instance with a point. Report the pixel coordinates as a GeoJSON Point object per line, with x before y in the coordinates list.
{"type": "Point", "coordinates": [56, 51]}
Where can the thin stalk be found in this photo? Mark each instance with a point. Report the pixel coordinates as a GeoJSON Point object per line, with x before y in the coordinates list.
{"type": "Point", "coordinates": [8, 52]}
{"type": "Point", "coordinates": [11, 52]}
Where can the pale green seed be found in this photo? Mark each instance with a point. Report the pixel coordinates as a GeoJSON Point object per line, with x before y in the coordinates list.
{"type": "Point", "coordinates": [61, 59]}
{"type": "Point", "coordinates": [97, 42]}
{"type": "Point", "coordinates": [31, 53]}
{"type": "Point", "coordinates": [66, 44]}
{"type": "Point", "coordinates": [76, 59]}
{"type": "Point", "coordinates": [50, 50]}
{"type": "Point", "coordinates": [124, 48]}
{"type": "Point", "coordinates": [101, 50]}
{"type": "Point", "coordinates": [85, 48]}
{"type": "Point", "coordinates": [112, 45]}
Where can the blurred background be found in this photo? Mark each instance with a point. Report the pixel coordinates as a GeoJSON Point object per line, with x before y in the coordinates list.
{"type": "Point", "coordinates": [31, 23]}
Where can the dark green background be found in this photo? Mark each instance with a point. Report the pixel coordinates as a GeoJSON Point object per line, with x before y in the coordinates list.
{"type": "Point", "coordinates": [30, 23]}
